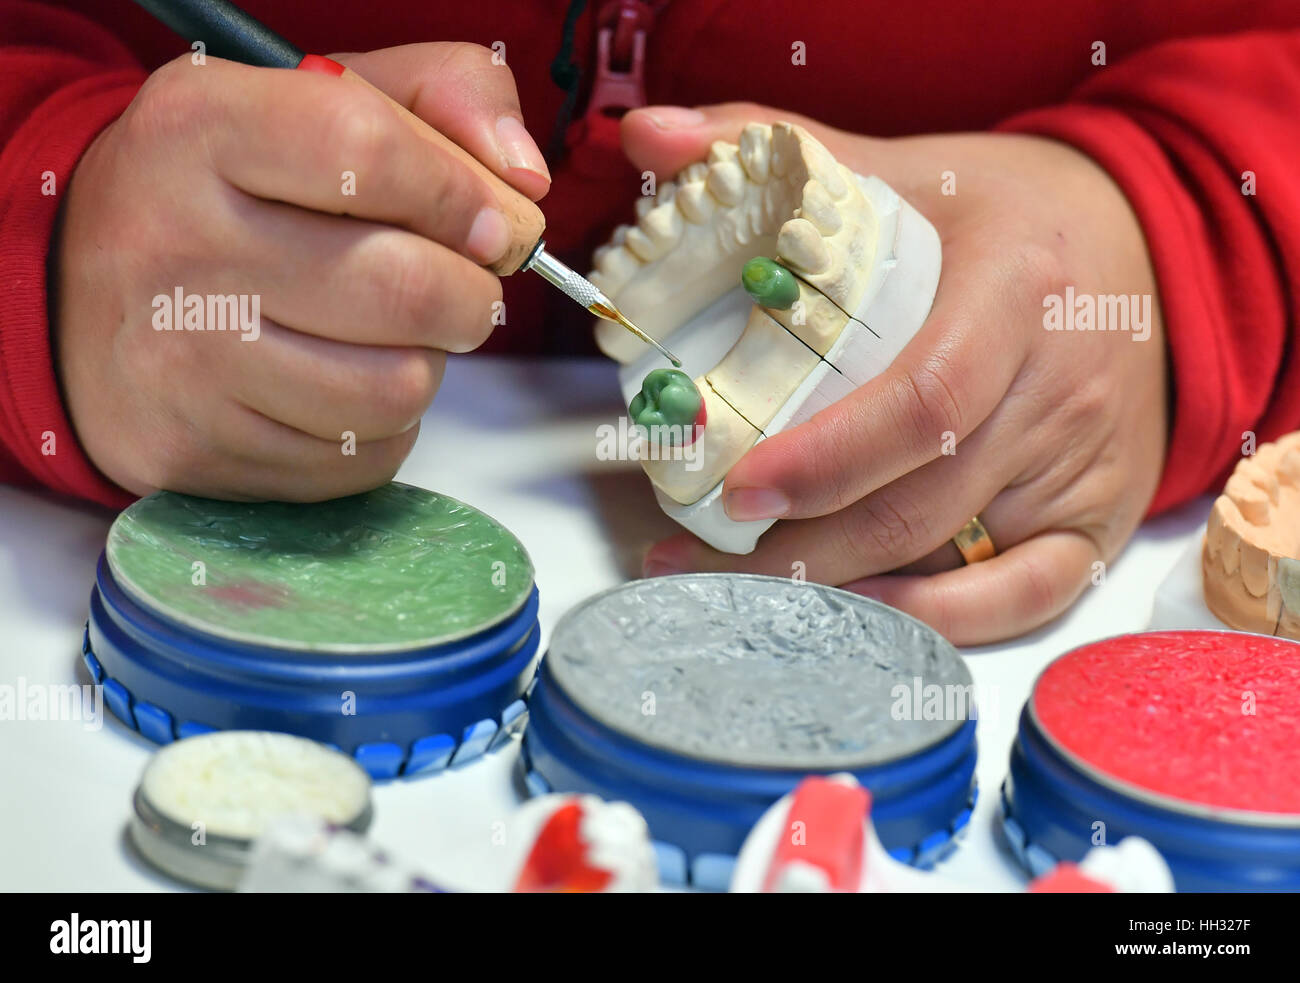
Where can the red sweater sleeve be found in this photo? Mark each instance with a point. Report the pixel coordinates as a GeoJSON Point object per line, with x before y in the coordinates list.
{"type": "Point", "coordinates": [62, 80]}
{"type": "Point", "coordinates": [1178, 126]}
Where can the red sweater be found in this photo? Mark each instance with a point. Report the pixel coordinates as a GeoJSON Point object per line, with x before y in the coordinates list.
{"type": "Point", "coordinates": [1193, 94]}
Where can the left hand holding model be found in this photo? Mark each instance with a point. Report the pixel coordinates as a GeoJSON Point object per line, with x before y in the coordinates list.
{"type": "Point", "coordinates": [1054, 439]}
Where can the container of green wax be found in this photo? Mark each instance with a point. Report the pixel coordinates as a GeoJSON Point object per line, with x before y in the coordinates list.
{"type": "Point", "coordinates": [398, 625]}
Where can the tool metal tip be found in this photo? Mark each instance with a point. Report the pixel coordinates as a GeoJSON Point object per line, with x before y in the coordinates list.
{"type": "Point", "coordinates": [611, 313]}
{"type": "Point", "coordinates": [582, 290]}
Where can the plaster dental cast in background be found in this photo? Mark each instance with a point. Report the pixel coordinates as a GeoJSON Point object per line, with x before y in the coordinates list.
{"type": "Point", "coordinates": [1071, 150]}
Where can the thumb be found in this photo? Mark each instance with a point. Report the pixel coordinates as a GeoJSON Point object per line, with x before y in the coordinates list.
{"type": "Point", "coordinates": [664, 139]}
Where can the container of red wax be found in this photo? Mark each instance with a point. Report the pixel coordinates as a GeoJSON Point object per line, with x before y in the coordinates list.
{"type": "Point", "coordinates": [1184, 738]}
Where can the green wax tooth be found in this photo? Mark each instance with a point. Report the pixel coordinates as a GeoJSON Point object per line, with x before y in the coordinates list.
{"type": "Point", "coordinates": [770, 283]}
{"type": "Point", "coordinates": [391, 569]}
{"type": "Point", "coordinates": [668, 398]}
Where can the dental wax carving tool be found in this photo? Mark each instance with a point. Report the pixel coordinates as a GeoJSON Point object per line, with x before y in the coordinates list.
{"type": "Point", "coordinates": [578, 288]}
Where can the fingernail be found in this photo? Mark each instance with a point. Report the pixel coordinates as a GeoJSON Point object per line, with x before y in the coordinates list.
{"type": "Point", "coordinates": [488, 236]}
{"type": "Point", "coordinates": [657, 568]}
{"type": "Point", "coordinates": [518, 148]}
{"type": "Point", "coordinates": [751, 504]}
{"type": "Point", "coordinates": [674, 117]}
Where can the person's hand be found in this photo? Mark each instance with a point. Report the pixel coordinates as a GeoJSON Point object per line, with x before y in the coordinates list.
{"type": "Point", "coordinates": [1059, 435]}
{"type": "Point", "coordinates": [360, 242]}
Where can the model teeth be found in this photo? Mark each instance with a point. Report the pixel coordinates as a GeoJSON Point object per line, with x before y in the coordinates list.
{"type": "Point", "coordinates": [722, 152]}
{"type": "Point", "coordinates": [727, 182]}
{"type": "Point", "coordinates": [785, 147]}
{"type": "Point", "coordinates": [663, 225]}
{"type": "Point", "coordinates": [642, 246]}
{"type": "Point", "coordinates": [755, 151]}
{"type": "Point", "coordinates": [776, 203]}
{"type": "Point", "coordinates": [802, 246]}
{"type": "Point", "coordinates": [616, 267]}
{"type": "Point", "coordinates": [1288, 468]}
{"type": "Point", "coordinates": [846, 176]}
{"type": "Point", "coordinates": [695, 203]}
{"type": "Point", "coordinates": [1251, 574]}
{"type": "Point", "coordinates": [736, 227]}
{"type": "Point", "coordinates": [823, 167]}
{"type": "Point", "coordinates": [693, 172]}
{"type": "Point", "coordinates": [818, 208]}
{"type": "Point", "coordinates": [1249, 489]}
{"type": "Point", "coordinates": [776, 192]}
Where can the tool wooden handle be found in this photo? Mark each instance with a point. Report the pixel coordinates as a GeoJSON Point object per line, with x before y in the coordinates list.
{"type": "Point", "coordinates": [526, 220]}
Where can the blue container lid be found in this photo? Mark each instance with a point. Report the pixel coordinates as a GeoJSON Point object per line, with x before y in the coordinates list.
{"type": "Point", "coordinates": [702, 789]}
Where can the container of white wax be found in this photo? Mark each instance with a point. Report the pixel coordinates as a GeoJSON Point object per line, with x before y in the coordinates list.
{"type": "Point", "coordinates": [202, 802]}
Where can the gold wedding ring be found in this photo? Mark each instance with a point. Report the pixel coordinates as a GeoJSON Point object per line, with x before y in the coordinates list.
{"type": "Point", "coordinates": [974, 542]}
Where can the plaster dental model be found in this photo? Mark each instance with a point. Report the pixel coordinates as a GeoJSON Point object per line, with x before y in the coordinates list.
{"type": "Point", "coordinates": [1250, 560]}
{"type": "Point", "coordinates": [769, 349]}
{"type": "Point", "coordinates": [582, 844]}
{"type": "Point", "coordinates": [820, 839]}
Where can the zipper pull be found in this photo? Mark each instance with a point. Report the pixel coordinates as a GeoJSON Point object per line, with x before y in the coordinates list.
{"type": "Point", "coordinates": [618, 85]}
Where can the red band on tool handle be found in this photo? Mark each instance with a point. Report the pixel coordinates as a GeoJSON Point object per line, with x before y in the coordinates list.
{"type": "Point", "coordinates": [319, 63]}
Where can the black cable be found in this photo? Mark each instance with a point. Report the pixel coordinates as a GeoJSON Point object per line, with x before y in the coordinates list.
{"type": "Point", "coordinates": [567, 74]}
{"type": "Point", "coordinates": [226, 31]}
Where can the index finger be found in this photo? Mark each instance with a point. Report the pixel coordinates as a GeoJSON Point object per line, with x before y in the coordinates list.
{"type": "Point", "coordinates": [465, 92]}
{"type": "Point", "coordinates": [339, 147]}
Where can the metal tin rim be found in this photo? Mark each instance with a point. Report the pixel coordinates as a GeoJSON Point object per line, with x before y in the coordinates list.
{"type": "Point", "coordinates": [198, 627]}
{"type": "Point", "coordinates": [859, 764]}
{"type": "Point", "coordinates": [705, 772]}
{"type": "Point", "coordinates": [220, 862]}
{"type": "Point", "coordinates": [703, 807]}
{"type": "Point", "coordinates": [269, 660]}
{"type": "Point", "coordinates": [168, 845]}
{"type": "Point", "coordinates": [1190, 807]}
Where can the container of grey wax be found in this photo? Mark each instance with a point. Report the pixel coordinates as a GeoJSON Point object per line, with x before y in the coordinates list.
{"type": "Point", "coordinates": [703, 698]}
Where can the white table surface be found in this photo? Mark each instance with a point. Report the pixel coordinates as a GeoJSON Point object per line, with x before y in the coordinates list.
{"type": "Point", "coordinates": [516, 439]}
